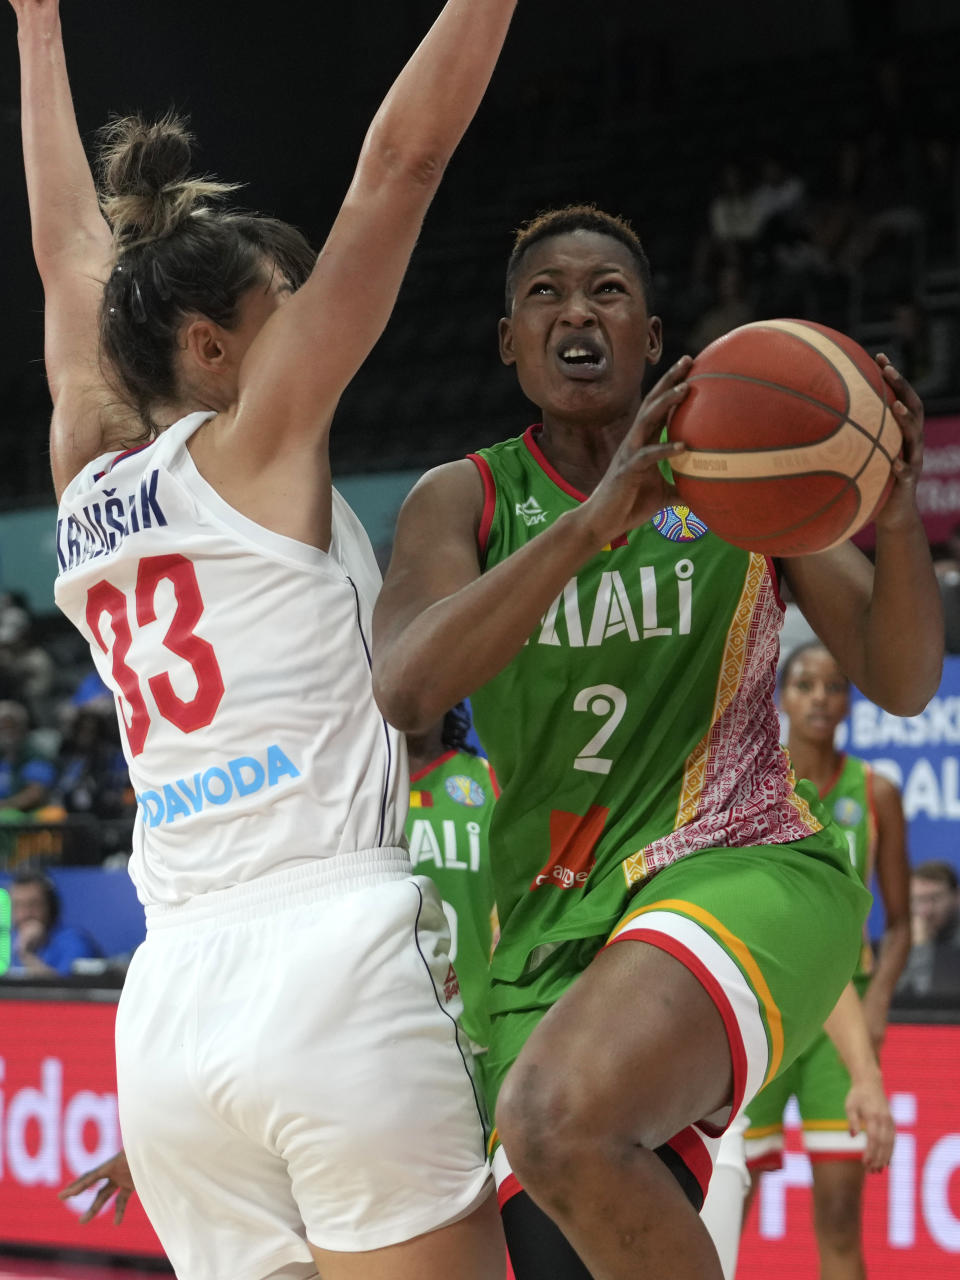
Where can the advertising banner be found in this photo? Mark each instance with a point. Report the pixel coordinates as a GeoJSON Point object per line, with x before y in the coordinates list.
{"type": "Point", "coordinates": [938, 493]}
{"type": "Point", "coordinates": [58, 1118]}
{"type": "Point", "coordinates": [912, 1211]}
{"type": "Point", "coordinates": [921, 754]}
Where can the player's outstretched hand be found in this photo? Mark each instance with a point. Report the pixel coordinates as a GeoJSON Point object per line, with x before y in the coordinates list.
{"type": "Point", "coordinates": [868, 1111]}
{"type": "Point", "coordinates": [633, 489]}
{"type": "Point", "coordinates": [115, 1176]}
{"type": "Point", "coordinates": [908, 411]}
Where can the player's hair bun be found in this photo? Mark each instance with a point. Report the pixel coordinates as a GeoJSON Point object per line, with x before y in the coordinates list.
{"type": "Point", "coordinates": [146, 191]}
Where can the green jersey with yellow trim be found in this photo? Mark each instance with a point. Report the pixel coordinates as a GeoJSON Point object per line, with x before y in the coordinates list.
{"type": "Point", "coordinates": [637, 724]}
{"type": "Point", "coordinates": [849, 801]}
{"type": "Point", "coordinates": [451, 804]}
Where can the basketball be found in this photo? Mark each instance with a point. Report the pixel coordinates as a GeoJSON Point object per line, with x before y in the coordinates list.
{"type": "Point", "coordinates": [790, 437]}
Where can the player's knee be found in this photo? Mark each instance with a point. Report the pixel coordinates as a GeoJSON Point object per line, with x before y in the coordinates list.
{"type": "Point", "coordinates": [837, 1219]}
{"type": "Point", "coordinates": [548, 1128]}
{"type": "Point", "coordinates": [537, 1123]}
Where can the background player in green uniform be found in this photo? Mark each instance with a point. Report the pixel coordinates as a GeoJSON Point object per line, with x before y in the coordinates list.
{"type": "Point", "coordinates": [621, 660]}
{"type": "Point", "coordinates": [814, 694]}
{"type": "Point", "coordinates": [452, 795]}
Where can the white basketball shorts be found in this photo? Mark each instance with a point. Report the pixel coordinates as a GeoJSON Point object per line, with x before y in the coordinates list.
{"type": "Point", "coordinates": [289, 1069]}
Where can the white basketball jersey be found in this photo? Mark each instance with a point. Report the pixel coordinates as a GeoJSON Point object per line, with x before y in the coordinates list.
{"type": "Point", "coordinates": [240, 664]}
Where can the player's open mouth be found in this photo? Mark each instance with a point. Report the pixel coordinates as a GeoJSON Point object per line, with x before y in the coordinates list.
{"type": "Point", "coordinates": [581, 358]}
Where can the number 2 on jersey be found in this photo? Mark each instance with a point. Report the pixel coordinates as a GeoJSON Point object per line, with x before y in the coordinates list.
{"type": "Point", "coordinates": [601, 700]}
{"type": "Point", "coordinates": [187, 714]}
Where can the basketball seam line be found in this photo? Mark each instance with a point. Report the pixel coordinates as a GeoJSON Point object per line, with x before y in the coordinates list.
{"type": "Point", "coordinates": [799, 395]}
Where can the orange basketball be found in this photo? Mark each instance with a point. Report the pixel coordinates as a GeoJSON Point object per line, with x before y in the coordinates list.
{"type": "Point", "coordinates": [790, 437]}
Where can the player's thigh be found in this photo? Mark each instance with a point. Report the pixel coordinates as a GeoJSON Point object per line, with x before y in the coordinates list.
{"type": "Point", "coordinates": [370, 1099]}
{"type": "Point", "coordinates": [636, 1040]}
{"type": "Point", "coordinates": [219, 1200]}
{"type": "Point", "coordinates": [773, 930]}
{"type": "Point", "coordinates": [471, 1249]}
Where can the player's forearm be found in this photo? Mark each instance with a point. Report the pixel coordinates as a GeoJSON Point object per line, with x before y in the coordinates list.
{"type": "Point", "coordinates": [904, 622]}
{"type": "Point", "coordinates": [847, 1028]}
{"type": "Point", "coordinates": [433, 100]}
{"type": "Point", "coordinates": [65, 216]}
{"type": "Point", "coordinates": [427, 664]}
{"type": "Point", "coordinates": [891, 958]}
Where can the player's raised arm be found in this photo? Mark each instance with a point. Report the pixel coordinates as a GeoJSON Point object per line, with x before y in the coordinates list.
{"type": "Point", "coordinates": [441, 627]}
{"type": "Point", "coordinates": [299, 365]}
{"type": "Point", "coordinates": [71, 243]}
{"type": "Point", "coordinates": [883, 623]}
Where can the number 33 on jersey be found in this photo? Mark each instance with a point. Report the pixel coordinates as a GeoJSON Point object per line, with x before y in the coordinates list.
{"type": "Point", "coordinates": [238, 659]}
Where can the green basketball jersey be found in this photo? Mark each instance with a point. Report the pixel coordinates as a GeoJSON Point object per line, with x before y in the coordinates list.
{"type": "Point", "coordinates": [451, 804]}
{"type": "Point", "coordinates": [849, 801]}
{"type": "Point", "coordinates": [636, 726]}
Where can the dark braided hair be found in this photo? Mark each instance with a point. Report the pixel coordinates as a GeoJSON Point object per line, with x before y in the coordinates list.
{"type": "Point", "coordinates": [176, 254]}
{"type": "Point", "coordinates": [577, 217]}
{"type": "Point", "coordinates": [456, 726]}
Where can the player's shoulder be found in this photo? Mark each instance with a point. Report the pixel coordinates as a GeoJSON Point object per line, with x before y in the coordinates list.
{"type": "Point", "coordinates": [453, 488]}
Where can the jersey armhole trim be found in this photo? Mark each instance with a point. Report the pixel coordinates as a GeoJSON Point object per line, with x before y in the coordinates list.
{"type": "Point", "coordinates": [774, 568]}
{"type": "Point", "coordinates": [489, 503]}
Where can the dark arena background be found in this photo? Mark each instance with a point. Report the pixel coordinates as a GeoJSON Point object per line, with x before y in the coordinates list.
{"type": "Point", "coordinates": [836, 121]}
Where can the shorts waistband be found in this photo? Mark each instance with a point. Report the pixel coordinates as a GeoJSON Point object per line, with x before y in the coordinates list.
{"type": "Point", "coordinates": [315, 881]}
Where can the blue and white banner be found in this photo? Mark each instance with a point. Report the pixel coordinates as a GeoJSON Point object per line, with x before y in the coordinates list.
{"type": "Point", "coordinates": [921, 754]}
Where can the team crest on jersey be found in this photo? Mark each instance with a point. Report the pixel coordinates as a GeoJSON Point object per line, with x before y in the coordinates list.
{"type": "Point", "coordinates": [679, 524]}
{"type": "Point", "coordinates": [531, 512]}
{"type": "Point", "coordinates": [465, 791]}
{"type": "Point", "coordinates": [847, 811]}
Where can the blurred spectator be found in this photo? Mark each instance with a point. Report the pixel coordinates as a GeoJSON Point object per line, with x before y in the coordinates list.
{"type": "Point", "coordinates": [733, 210]}
{"type": "Point", "coordinates": [933, 966]}
{"type": "Point", "coordinates": [837, 216]}
{"type": "Point", "coordinates": [26, 776]}
{"type": "Point", "coordinates": [26, 669]}
{"type": "Point", "coordinates": [947, 569]}
{"type": "Point", "coordinates": [40, 944]}
{"type": "Point", "coordinates": [92, 772]}
{"type": "Point", "coordinates": [777, 202]}
{"type": "Point", "coordinates": [886, 196]}
{"type": "Point", "coordinates": [923, 346]}
{"type": "Point", "coordinates": [731, 225]}
{"type": "Point", "coordinates": [730, 308]}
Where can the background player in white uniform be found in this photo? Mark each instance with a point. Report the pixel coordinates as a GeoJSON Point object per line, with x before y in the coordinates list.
{"type": "Point", "coordinates": [226, 591]}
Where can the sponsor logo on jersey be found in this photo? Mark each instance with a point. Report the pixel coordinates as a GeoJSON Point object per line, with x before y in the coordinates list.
{"type": "Point", "coordinates": [847, 811]}
{"type": "Point", "coordinates": [214, 787]}
{"type": "Point", "coordinates": [573, 839]}
{"type": "Point", "coordinates": [679, 524]}
{"type": "Point", "coordinates": [451, 985]}
{"type": "Point", "coordinates": [465, 791]}
{"type": "Point", "coordinates": [100, 527]}
{"type": "Point", "coordinates": [531, 512]}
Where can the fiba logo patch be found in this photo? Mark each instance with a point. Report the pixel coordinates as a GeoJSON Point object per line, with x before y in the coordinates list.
{"type": "Point", "coordinates": [679, 524]}
{"type": "Point", "coordinates": [847, 812]}
{"type": "Point", "coordinates": [464, 790]}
